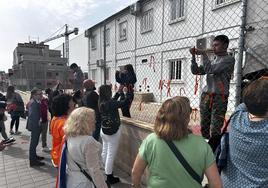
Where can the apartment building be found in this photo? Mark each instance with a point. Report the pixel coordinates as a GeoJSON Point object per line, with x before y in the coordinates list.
{"type": "Point", "coordinates": [35, 65]}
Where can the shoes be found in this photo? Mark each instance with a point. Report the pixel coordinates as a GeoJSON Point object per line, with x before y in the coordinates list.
{"type": "Point", "coordinates": [36, 163]}
{"type": "Point", "coordinates": [46, 149]}
{"type": "Point", "coordinates": [39, 158]}
{"type": "Point", "coordinates": [111, 179]}
{"type": "Point", "coordinates": [9, 140]}
{"type": "Point", "coordinates": [11, 132]}
{"type": "Point", "coordinates": [17, 133]}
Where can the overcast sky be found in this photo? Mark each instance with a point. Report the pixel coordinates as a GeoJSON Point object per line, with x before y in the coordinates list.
{"type": "Point", "coordinates": [20, 19]}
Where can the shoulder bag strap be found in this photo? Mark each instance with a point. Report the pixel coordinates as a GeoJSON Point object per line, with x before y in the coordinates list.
{"type": "Point", "coordinates": [224, 129]}
{"type": "Point", "coordinates": [183, 162]}
{"type": "Point", "coordinates": [81, 169]}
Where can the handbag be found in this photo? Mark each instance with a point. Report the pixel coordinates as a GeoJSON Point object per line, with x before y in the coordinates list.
{"type": "Point", "coordinates": [109, 124]}
{"type": "Point", "coordinates": [184, 163]}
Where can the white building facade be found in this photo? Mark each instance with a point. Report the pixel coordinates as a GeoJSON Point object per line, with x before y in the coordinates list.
{"type": "Point", "coordinates": [155, 36]}
{"type": "Point", "coordinates": [78, 51]}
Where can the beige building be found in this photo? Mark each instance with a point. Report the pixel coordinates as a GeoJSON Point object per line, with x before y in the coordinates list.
{"type": "Point", "coordinates": [35, 65]}
{"type": "Point", "coordinates": [4, 81]}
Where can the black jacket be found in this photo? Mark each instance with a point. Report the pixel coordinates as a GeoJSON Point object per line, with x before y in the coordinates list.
{"type": "Point", "coordinates": [111, 106]}
{"type": "Point", "coordinates": [125, 78]}
{"type": "Point", "coordinates": [90, 100]}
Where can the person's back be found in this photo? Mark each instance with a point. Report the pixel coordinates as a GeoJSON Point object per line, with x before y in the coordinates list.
{"type": "Point", "coordinates": [82, 151]}
{"type": "Point", "coordinates": [56, 131]}
{"type": "Point", "coordinates": [78, 147]}
{"type": "Point", "coordinates": [158, 151]}
{"type": "Point", "coordinates": [247, 162]}
{"type": "Point", "coordinates": [166, 170]}
{"type": "Point", "coordinates": [62, 105]}
{"type": "Point", "coordinates": [90, 100]}
{"type": "Point", "coordinates": [78, 77]}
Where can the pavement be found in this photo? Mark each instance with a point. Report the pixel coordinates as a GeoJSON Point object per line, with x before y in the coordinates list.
{"type": "Point", "coordinates": [15, 171]}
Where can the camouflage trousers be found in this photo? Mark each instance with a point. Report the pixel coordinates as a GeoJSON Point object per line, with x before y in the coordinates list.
{"type": "Point", "coordinates": [212, 111]}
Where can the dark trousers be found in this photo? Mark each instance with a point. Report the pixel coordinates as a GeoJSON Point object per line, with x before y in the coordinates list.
{"type": "Point", "coordinates": [3, 130]}
{"type": "Point", "coordinates": [125, 109]}
{"type": "Point", "coordinates": [15, 120]}
{"type": "Point", "coordinates": [35, 134]}
{"type": "Point", "coordinates": [212, 111]}
{"type": "Point", "coordinates": [96, 133]}
{"type": "Point", "coordinates": [44, 126]}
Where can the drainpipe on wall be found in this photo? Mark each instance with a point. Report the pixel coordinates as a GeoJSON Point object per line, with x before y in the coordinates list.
{"type": "Point", "coordinates": [87, 35]}
{"type": "Point", "coordinates": [104, 52]}
{"type": "Point", "coordinates": [88, 58]}
{"type": "Point", "coordinates": [115, 51]}
{"type": "Point", "coordinates": [201, 82]}
{"type": "Point", "coordinates": [240, 52]}
{"type": "Point", "coordinates": [162, 40]}
{"type": "Point", "coordinates": [135, 47]}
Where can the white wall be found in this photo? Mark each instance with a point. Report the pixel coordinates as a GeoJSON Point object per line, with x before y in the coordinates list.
{"type": "Point", "coordinates": [78, 51]}
{"type": "Point", "coordinates": [167, 41]}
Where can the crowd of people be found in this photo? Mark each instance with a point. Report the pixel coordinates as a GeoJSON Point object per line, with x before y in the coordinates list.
{"type": "Point", "coordinates": [173, 155]}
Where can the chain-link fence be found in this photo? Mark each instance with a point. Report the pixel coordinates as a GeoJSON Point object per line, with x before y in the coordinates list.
{"type": "Point", "coordinates": [155, 37]}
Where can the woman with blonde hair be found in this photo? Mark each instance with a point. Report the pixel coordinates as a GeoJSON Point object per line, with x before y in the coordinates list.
{"type": "Point", "coordinates": [83, 151]}
{"type": "Point", "coordinates": [171, 126]}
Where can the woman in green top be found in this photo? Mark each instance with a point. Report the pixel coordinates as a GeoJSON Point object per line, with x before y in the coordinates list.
{"type": "Point", "coordinates": [165, 171]}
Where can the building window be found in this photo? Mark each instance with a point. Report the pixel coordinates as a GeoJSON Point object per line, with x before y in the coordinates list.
{"type": "Point", "coordinates": [94, 42]}
{"type": "Point", "coordinates": [85, 75]}
{"type": "Point", "coordinates": [93, 74]}
{"type": "Point", "coordinates": [175, 70]}
{"type": "Point", "coordinates": [107, 33]}
{"type": "Point", "coordinates": [49, 74]}
{"type": "Point", "coordinates": [123, 31]}
{"type": "Point", "coordinates": [147, 21]}
{"type": "Point", "coordinates": [222, 3]}
{"type": "Point", "coordinates": [177, 9]}
{"type": "Point", "coordinates": [121, 68]}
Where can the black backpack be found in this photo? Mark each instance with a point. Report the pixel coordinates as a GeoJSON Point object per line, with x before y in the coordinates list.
{"type": "Point", "coordinates": [109, 124]}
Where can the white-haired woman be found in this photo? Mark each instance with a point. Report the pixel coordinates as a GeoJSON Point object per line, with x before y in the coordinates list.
{"type": "Point", "coordinates": [82, 150]}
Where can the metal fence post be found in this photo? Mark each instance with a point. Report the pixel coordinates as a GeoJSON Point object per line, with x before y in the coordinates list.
{"type": "Point", "coordinates": [104, 53]}
{"type": "Point", "coordinates": [240, 52]}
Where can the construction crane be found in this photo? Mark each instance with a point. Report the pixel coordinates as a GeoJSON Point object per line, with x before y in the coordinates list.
{"type": "Point", "coordinates": [66, 35]}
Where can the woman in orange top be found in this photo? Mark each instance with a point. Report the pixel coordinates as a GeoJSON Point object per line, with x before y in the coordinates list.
{"type": "Point", "coordinates": [62, 106]}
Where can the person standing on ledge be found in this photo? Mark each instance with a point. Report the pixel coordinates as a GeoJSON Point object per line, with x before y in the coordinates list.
{"type": "Point", "coordinates": [127, 78]}
{"type": "Point", "coordinates": [78, 77]}
{"type": "Point", "coordinates": [214, 97]}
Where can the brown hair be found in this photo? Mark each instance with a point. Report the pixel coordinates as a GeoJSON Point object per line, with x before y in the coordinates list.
{"type": "Point", "coordinates": [172, 119]}
{"type": "Point", "coordinates": [255, 97]}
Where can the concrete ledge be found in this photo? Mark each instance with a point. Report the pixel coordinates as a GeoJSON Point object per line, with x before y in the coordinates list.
{"type": "Point", "coordinates": [141, 124]}
{"type": "Point", "coordinates": [133, 133]}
